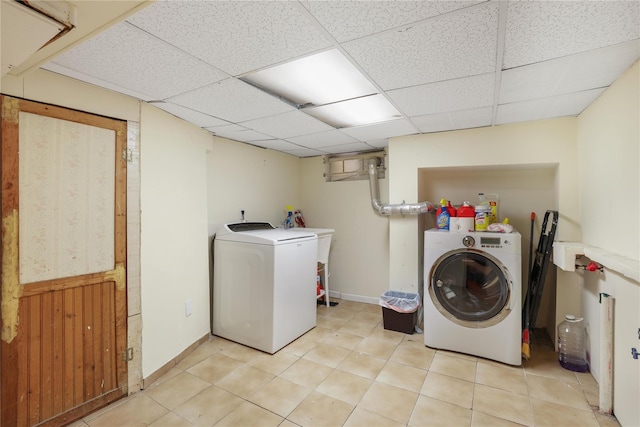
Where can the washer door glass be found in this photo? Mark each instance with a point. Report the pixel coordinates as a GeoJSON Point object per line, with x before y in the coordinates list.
{"type": "Point", "coordinates": [470, 286]}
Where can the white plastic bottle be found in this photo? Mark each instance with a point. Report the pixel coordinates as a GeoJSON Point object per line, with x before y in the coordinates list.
{"type": "Point", "coordinates": [491, 200]}
{"type": "Point", "coordinates": [571, 346]}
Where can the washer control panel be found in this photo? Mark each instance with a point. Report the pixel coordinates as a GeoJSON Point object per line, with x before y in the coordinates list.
{"type": "Point", "coordinates": [489, 242]}
{"type": "Point", "coordinates": [494, 242]}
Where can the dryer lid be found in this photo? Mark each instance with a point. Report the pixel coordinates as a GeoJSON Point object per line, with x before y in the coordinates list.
{"type": "Point", "coordinates": [261, 233]}
{"type": "Point", "coordinates": [249, 226]}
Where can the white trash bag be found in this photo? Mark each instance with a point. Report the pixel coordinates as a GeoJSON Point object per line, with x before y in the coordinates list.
{"type": "Point", "coordinates": [402, 302]}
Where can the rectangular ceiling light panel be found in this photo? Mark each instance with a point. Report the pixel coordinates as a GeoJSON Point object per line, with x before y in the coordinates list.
{"type": "Point", "coordinates": [317, 80]}
{"type": "Point", "coordinates": [355, 112]}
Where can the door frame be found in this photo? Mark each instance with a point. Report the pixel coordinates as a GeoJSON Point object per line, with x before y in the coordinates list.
{"type": "Point", "coordinates": [12, 289]}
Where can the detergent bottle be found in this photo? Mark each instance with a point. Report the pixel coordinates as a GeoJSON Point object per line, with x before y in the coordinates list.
{"type": "Point", "coordinates": [288, 222]}
{"type": "Point", "coordinates": [452, 211]}
{"type": "Point", "coordinates": [491, 200]}
{"type": "Point", "coordinates": [443, 216]}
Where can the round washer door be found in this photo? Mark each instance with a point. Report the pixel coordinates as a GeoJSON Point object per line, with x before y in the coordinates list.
{"type": "Point", "coordinates": [471, 288]}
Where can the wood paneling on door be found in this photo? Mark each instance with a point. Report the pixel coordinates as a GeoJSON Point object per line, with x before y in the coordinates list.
{"type": "Point", "coordinates": [63, 263]}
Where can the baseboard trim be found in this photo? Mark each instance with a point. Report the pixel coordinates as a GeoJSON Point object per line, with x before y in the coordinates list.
{"type": "Point", "coordinates": [146, 382]}
{"type": "Point", "coordinates": [357, 298]}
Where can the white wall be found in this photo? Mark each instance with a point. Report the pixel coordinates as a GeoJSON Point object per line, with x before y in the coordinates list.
{"type": "Point", "coordinates": [609, 158]}
{"type": "Point", "coordinates": [609, 154]}
{"type": "Point", "coordinates": [243, 177]}
{"type": "Point", "coordinates": [263, 182]}
{"type": "Point", "coordinates": [359, 257]}
{"type": "Point", "coordinates": [51, 88]}
{"type": "Point", "coordinates": [174, 243]}
{"type": "Point", "coordinates": [535, 144]}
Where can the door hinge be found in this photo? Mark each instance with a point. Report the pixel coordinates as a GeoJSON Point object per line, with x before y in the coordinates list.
{"type": "Point", "coordinates": [127, 156]}
{"type": "Point", "coordinates": [127, 355]}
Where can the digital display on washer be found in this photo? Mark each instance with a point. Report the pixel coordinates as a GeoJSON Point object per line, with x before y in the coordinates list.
{"type": "Point", "coordinates": [489, 240]}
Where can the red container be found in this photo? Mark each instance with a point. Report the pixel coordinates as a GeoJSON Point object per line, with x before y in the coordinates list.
{"type": "Point", "coordinates": [466, 210]}
{"type": "Point", "coordinates": [451, 209]}
{"type": "Point", "coordinates": [467, 215]}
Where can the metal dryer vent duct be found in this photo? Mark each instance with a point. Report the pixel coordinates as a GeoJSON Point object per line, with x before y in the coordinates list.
{"type": "Point", "coordinates": [387, 209]}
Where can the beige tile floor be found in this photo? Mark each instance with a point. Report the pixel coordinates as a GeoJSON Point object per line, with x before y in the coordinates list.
{"type": "Point", "coordinates": [350, 371]}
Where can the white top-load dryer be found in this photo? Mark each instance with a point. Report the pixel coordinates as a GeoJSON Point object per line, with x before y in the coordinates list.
{"type": "Point", "coordinates": [264, 284]}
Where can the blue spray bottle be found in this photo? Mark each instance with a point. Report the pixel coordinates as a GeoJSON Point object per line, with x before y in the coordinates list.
{"type": "Point", "coordinates": [443, 216]}
{"type": "Point", "coordinates": [288, 222]}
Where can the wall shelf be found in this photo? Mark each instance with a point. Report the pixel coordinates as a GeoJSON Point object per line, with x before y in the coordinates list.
{"type": "Point", "coordinates": [565, 254]}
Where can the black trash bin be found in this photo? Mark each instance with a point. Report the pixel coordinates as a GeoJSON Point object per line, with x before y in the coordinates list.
{"type": "Point", "coordinates": [399, 311]}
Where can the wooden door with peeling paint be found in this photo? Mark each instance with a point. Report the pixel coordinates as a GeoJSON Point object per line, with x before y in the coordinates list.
{"type": "Point", "coordinates": [63, 278]}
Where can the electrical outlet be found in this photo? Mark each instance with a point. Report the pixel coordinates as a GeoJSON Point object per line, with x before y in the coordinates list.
{"type": "Point", "coordinates": [188, 309]}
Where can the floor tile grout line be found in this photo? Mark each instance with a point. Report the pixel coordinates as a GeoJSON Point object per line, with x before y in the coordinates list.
{"type": "Point", "coordinates": [528, 372]}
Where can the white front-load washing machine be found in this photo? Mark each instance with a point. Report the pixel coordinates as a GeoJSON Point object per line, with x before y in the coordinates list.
{"type": "Point", "coordinates": [473, 295]}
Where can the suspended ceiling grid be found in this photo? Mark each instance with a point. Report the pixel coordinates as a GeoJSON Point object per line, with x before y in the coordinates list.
{"type": "Point", "coordinates": [445, 65]}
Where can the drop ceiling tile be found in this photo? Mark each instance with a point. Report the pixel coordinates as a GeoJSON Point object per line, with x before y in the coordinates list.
{"type": "Point", "coordinates": [305, 152]}
{"type": "Point", "coordinates": [237, 133]}
{"type": "Point", "coordinates": [451, 95]}
{"type": "Point", "coordinates": [588, 70]}
{"type": "Point", "coordinates": [276, 144]}
{"type": "Point", "coordinates": [133, 62]}
{"type": "Point", "coordinates": [348, 20]}
{"type": "Point", "coordinates": [322, 139]}
{"type": "Point", "coordinates": [465, 119]}
{"type": "Point", "coordinates": [474, 118]}
{"type": "Point", "coordinates": [192, 116]}
{"type": "Point", "coordinates": [353, 147]}
{"type": "Point", "coordinates": [570, 104]}
{"type": "Point", "coordinates": [91, 79]}
{"type": "Point", "coordinates": [520, 111]}
{"type": "Point", "coordinates": [234, 36]}
{"type": "Point", "coordinates": [541, 30]}
{"type": "Point", "coordinates": [244, 35]}
{"type": "Point", "coordinates": [229, 127]}
{"type": "Point", "coordinates": [433, 122]}
{"type": "Point", "coordinates": [381, 130]}
{"type": "Point", "coordinates": [558, 106]}
{"type": "Point", "coordinates": [449, 47]}
{"type": "Point", "coordinates": [379, 143]}
{"type": "Point", "coordinates": [287, 125]}
{"type": "Point", "coordinates": [231, 100]}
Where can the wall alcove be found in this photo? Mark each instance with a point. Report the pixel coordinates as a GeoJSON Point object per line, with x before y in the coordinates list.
{"type": "Point", "coordinates": [522, 189]}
